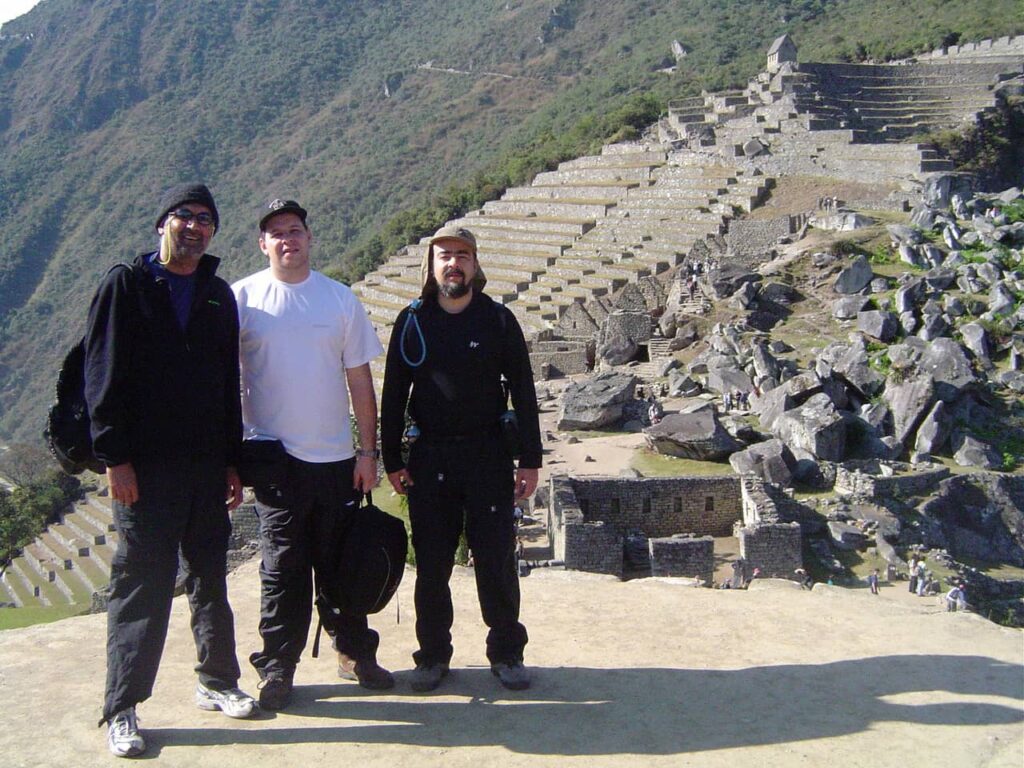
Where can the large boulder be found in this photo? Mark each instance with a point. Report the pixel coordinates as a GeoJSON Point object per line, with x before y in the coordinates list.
{"type": "Point", "coordinates": [982, 516]}
{"type": "Point", "coordinates": [854, 278]}
{"type": "Point", "coordinates": [878, 324]}
{"type": "Point", "coordinates": [728, 378]}
{"type": "Point", "coordinates": [847, 307]}
{"type": "Point", "coordinates": [597, 401]}
{"type": "Point", "coordinates": [943, 359]}
{"type": "Point", "coordinates": [845, 536]}
{"type": "Point", "coordinates": [617, 349]}
{"type": "Point", "coordinates": [771, 460]}
{"type": "Point", "coordinates": [728, 279]}
{"type": "Point", "coordinates": [816, 426]}
{"type": "Point", "coordinates": [695, 435]}
{"type": "Point", "coordinates": [909, 402]}
{"type": "Point", "coordinates": [973, 452]}
{"type": "Point", "coordinates": [854, 368]}
{"type": "Point", "coordinates": [934, 430]}
{"type": "Point", "coordinates": [976, 340]}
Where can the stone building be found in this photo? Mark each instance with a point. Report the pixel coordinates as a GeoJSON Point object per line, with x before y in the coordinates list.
{"type": "Point", "coordinates": [591, 517]}
{"type": "Point", "coordinates": [783, 50]}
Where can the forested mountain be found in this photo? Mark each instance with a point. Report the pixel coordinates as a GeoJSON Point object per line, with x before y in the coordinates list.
{"type": "Point", "coordinates": [360, 109]}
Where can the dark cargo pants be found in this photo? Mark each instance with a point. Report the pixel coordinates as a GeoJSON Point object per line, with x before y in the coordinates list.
{"type": "Point", "coordinates": [181, 504]}
{"type": "Point", "coordinates": [300, 522]}
{"type": "Point", "coordinates": [464, 485]}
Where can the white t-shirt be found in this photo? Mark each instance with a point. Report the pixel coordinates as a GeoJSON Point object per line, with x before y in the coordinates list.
{"type": "Point", "coordinates": [297, 340]}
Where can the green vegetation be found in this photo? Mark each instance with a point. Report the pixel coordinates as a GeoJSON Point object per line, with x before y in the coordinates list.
{"type": "Point", "coordinates": [25, 511]}
{"type": "Point", "coordinates": [15, 618]}
{"type": "Point", "coordinates": [651, 464]}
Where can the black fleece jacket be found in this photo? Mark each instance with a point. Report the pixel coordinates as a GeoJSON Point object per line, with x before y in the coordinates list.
{"type": "Point", "coordinates": [457, 390]}
{"type": "Point", "coordinates": [155, 391]}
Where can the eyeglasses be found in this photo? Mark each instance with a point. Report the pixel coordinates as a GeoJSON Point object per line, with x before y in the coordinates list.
{"type": "Point", "coordinates": [205, 219]}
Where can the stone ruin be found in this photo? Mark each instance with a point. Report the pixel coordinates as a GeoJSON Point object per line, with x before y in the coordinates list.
{"type": "Point", "coordinates": [592, 520]}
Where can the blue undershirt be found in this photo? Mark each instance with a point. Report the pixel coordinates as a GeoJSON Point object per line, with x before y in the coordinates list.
{"type": "Point", "coordinates": [182, 289]}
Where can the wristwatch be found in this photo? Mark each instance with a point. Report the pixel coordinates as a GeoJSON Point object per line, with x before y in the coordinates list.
{"type": "Point", "coordinates": [368, 453]}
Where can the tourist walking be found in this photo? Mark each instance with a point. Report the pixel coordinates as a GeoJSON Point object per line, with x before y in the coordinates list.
{"type": "Point", "coordinates": [450, 359]}
{"type": "Point", "coordinates": [306, 346]}
{"type": "Point", "coordinates": [161, 382]}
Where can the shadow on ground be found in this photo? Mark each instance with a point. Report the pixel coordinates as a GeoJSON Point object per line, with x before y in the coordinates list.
{"type": "Point", "coordinates": [645, 711]}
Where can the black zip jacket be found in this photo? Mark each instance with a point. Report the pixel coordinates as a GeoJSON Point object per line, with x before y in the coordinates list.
{"type": "Point", "coordinates": [155, 391]}
{"type": "Point", "coordinates": [457, 390]}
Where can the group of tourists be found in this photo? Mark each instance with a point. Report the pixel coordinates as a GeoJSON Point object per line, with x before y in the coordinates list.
{"type": "Point", "coordinates": [183, 370]}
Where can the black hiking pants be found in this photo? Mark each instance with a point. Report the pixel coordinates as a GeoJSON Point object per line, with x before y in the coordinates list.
{"type": "Point", "coordinates": [181, 506]}
{"type": "Point", "coordinates": [300, 521]}
{"type": "Point", "coordinates": [464, 485]}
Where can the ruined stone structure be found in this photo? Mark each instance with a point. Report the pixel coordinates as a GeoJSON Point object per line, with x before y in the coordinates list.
{"type": "Point", "coordinates": [590, 517]}
{"type": "Point", "coordinates": [765, 541]}
{"type": "Point", "coordinates": [866, 479]}
{"type": "Point", "coordinates": [683, 555]}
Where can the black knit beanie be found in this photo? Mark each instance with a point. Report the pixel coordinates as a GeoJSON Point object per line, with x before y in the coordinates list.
{"type": "Point", "coordinates": [187, 193]}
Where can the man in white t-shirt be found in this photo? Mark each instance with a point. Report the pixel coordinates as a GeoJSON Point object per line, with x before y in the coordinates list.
{"type": "Point", "coordinates": [306, 345]}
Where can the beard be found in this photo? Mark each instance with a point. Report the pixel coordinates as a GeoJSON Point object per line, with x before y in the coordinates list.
{"type": "Point", "coordinates": [453, 290]}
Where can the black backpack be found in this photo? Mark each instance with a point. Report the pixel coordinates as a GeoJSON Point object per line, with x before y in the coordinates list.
{"type": "Point", "coordinates": [67, 423]}
{"type": "Point", "coordinates": [369, 562]}
{"type": "Point", "coordinates": [67, 431]}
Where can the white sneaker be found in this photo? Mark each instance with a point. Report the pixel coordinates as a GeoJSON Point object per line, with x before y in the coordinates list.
{"type": "Point", "coordinates": [232, 702]}
{"type": "Point", "coordinates": [123, 737]}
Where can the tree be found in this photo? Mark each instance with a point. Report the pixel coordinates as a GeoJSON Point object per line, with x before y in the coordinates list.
{"type": "Point", "coordinates": [19, 524]}
{"type": "Point", "coordinates": [25, 464]}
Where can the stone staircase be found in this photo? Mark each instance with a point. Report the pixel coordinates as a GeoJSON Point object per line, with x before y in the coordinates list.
{"type": "Point", "coordinates": [68, 562]}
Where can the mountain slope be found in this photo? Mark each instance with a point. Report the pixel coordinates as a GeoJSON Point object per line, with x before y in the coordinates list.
{"type": "Point", "coordinates": [103, 104]}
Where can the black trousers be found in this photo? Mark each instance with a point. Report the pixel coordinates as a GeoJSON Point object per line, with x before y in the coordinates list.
{"type": "Point", "coordinates": [181, 505]}
{"type": "Point", "coordinates": [300, 523]}
{"type": "Point", "coordinates": [466, 485]}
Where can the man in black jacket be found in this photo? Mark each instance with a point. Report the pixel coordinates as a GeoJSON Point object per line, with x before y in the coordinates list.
{"type": "Point", "coordinates": [453, 350]}
{"type": "Point", "coordinates": [161, 379]}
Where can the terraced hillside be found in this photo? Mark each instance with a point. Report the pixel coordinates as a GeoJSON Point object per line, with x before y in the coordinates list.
{"type": "Point", "coordinates": [600, 222]}
{"type": "Point", "coordinates": [68, 562]}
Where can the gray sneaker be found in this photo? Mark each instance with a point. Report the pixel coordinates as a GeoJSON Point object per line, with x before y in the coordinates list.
{"type": "Point", "coordinates": [426, 677]}
{"type": "Point", "coordinates": [231, 701]}
{"type": "Point", "coordinates": [512, 674]}
{"type": "Point", "coordinates": [123, 737]}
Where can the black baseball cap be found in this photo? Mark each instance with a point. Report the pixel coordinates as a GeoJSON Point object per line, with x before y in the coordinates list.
{"type": "Point", "coordinates": [276, 206]}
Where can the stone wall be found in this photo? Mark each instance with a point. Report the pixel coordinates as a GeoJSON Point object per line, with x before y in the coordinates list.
{"type": "Point", "coordinates": [758, 505]}
{"type": "Point", "coordinates": [561, 358]}
{"type": "Point", "coordinates": [632, 325]}
{"type": "Point", "coordinates": [683, 555]}
{"type": "Point", "coordinates": [245, 526]}
{"type": "Point", "coordinates": [772, 547]}
{"type": "Point", "coordinates": [661, 506]}
{"type": "Point", "coordinates": [865, 480]}
{"type": "Point", "coordinates": [589, 518]}
{"type": "Point", "coordinates": [753, 239]}
{"type": "Point", "coordinates": [593, 547]}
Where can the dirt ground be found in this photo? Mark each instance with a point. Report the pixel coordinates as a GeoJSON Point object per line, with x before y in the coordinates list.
{"type": "Point", "coordinates": [649, 672]}
{"type": "Point", "coordinates": [640, 673]}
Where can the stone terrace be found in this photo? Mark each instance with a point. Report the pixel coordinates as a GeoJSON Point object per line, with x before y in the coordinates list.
{"type": "Point", "coordinates": [68, 562]}
{"type": "Point", "coordinates": [580, 232]}
{"type": "Point", "coordinates": [847, 120]}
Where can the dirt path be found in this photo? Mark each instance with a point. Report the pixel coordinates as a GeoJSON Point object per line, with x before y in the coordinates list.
{"type": "Point", "coordinates": [643, 673]}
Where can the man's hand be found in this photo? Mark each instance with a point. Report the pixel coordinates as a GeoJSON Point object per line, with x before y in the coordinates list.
{"type": "Point", "coordinates": [526, 482]}
{"type": "Point", "coordinates": [364, 476]}
{"type": "Point", "coordinates": [234, 488]}
{"type": "Point", "coordinates": [124, 488]}
{"type": "Point", "coordinates": [400, 481]}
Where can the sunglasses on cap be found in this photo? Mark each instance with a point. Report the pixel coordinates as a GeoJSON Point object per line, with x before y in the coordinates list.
{"type": "Point", "coordinates": [203, 218]}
